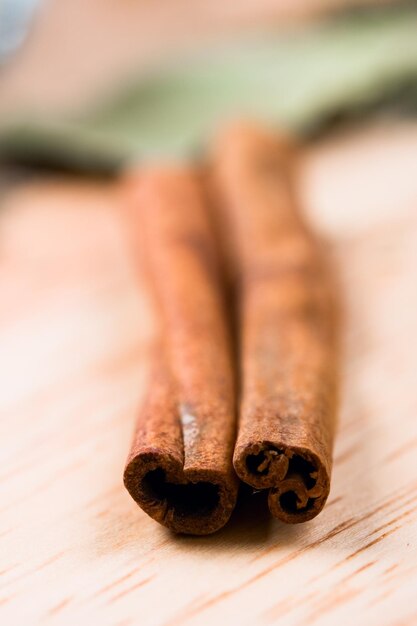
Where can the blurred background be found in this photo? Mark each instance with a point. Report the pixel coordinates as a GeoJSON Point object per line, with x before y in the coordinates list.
{"type": "Point", "coordinates": [92, 85]}
{"type": "Point", "coordinates": [86, 90]}
{"type": "Point", "coordinates": [62, 55]}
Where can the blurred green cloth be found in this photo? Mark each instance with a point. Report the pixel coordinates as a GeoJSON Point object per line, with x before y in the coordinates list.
{"type": "Point", "coordinates": [300, 79]}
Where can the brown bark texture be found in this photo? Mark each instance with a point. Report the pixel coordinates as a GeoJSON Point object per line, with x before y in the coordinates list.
{"type": "Point", "coordinates": [286, 310]}
{"type": "Point", "coordinates": [180, 467]}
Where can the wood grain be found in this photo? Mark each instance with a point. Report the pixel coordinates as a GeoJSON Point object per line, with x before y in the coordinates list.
{"type": "Point", "coordinates": [74, 340]}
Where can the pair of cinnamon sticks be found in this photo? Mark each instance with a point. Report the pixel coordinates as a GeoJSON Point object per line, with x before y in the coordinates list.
{"type": "Point", "coordinates": [249, 395]}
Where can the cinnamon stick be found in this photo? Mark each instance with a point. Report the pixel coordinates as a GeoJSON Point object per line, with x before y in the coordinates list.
{"type": "Point", "coordinates": [180, 466]}
{"type": "Point", "coordinates": [286, 325]}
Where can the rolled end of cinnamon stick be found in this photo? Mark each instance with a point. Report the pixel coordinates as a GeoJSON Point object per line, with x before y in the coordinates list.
{"type": "Point", "coordinates": [182, 489]}
{"type": "Point", "coordinates": [298, 480]}
{"type": "Point", "coordinates": [180, 469]}
{"type": "Point", "coordinates": [287, 336]}
{"type": "Point", "coordinates": [195, 501]}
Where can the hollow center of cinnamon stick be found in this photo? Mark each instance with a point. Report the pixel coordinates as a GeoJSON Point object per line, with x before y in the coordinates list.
{"type": "Point", "coordinates": [265, 461]}
{"type": "Point", "coordinates": [299, 466]}
{"type": "Point", "coordinates": [295, 475]}
{"type": "Point", "coordinates": [290, 502]}
{"type": "Point", "coordinates": [189, 499]}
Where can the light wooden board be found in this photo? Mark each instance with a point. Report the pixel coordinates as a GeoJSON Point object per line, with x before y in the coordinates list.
{"type": "Point", "coordinates": [74, 347]}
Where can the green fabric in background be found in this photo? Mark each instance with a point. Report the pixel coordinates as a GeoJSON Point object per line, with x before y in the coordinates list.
{"type": "Point", "coordinates": [301, 80]}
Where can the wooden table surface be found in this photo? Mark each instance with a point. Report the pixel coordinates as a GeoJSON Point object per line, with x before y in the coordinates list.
{"type": "Point", "coordinates": [74, 346]}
